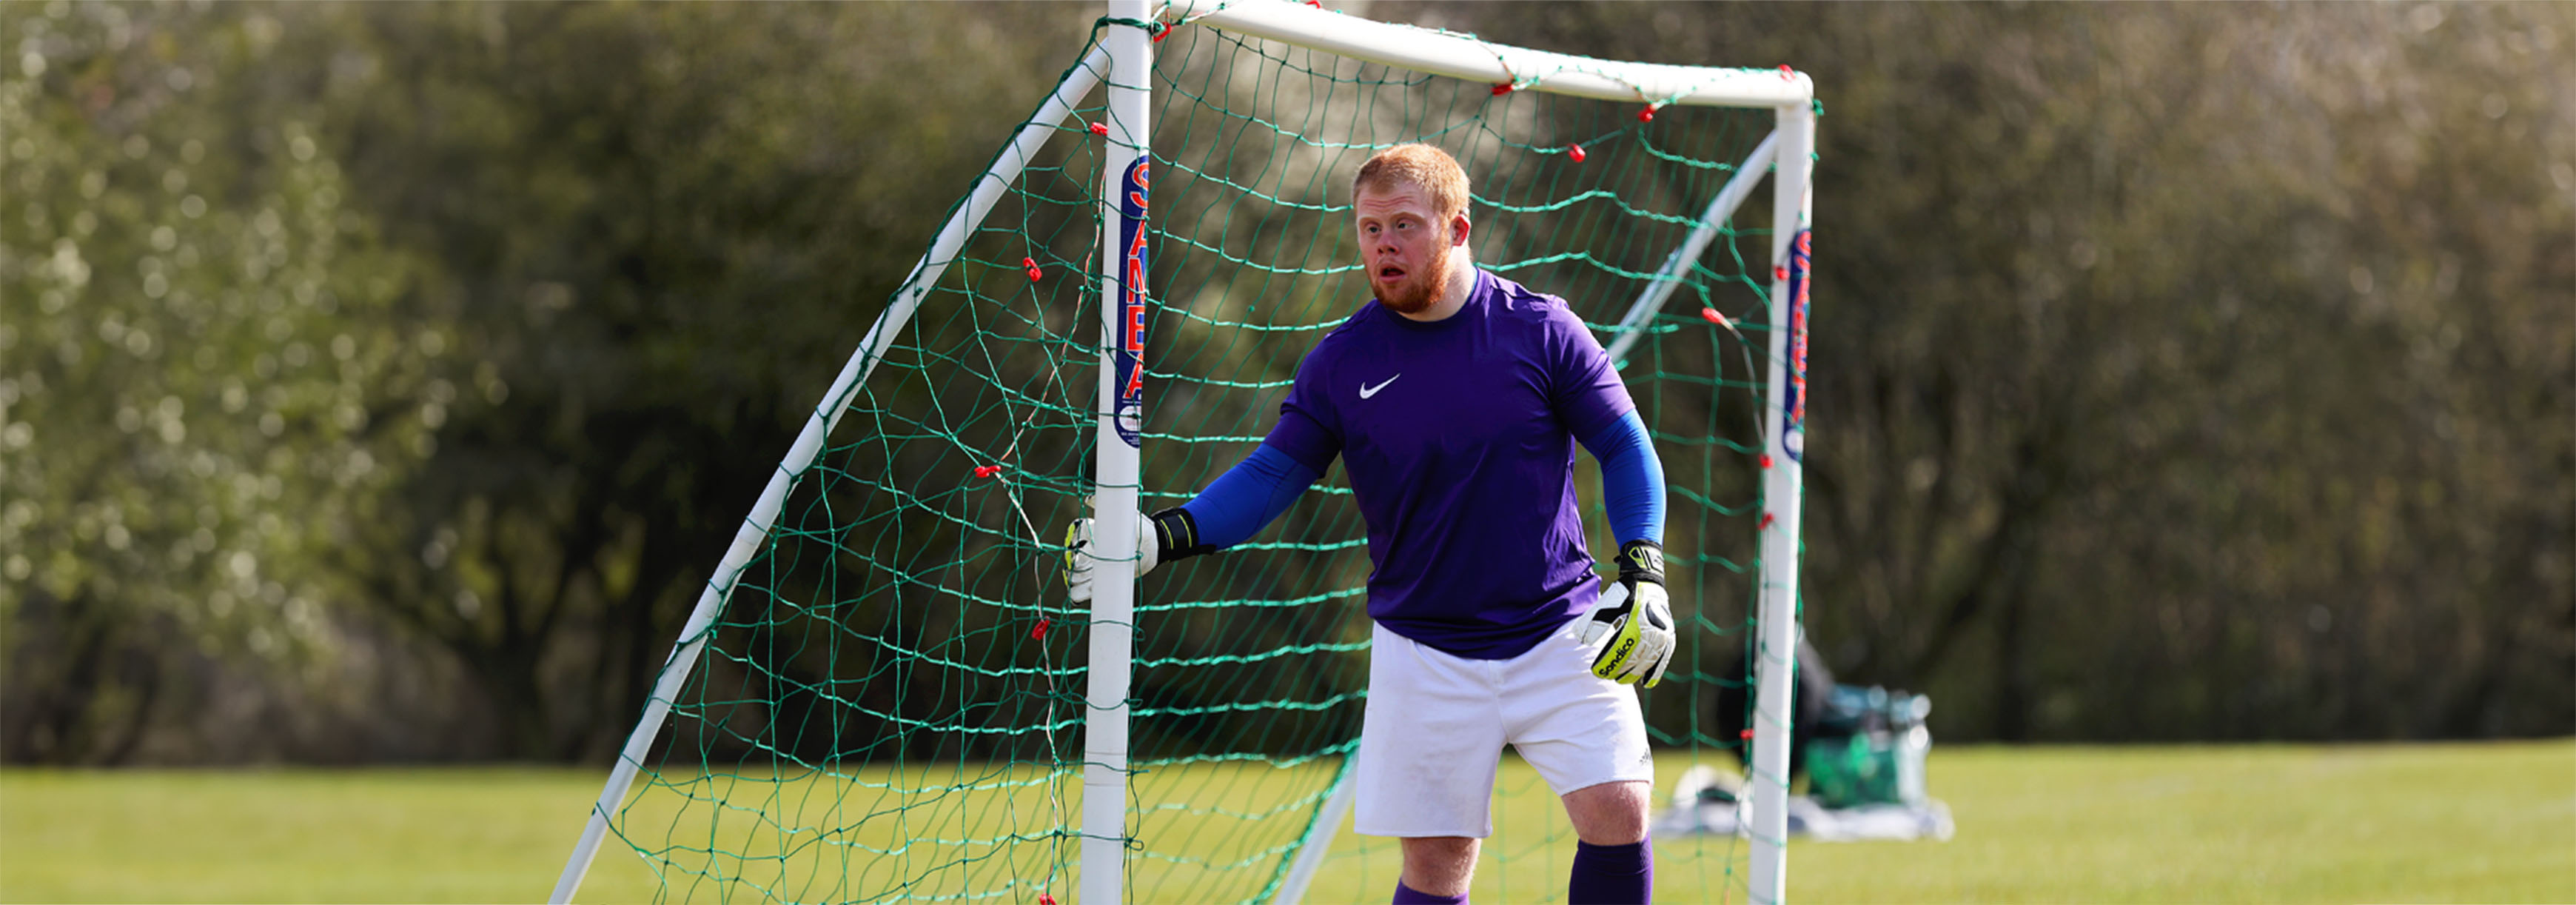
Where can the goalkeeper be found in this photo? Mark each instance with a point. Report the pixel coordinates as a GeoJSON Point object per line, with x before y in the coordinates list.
{"type": "Point", "coordinates": [1455, 398]}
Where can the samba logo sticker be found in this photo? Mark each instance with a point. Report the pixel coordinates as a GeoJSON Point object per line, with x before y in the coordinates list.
{"type": "Point", "coordinates": [1130, 410]}
{"type": "Point", "coordinates": [1793, 429]}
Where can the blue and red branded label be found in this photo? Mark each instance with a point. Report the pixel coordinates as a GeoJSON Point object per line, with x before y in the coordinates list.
{"type": "Point", "coordinates": [1793, 429]}
{"type": "Point", "coordinates": [1130, 410]}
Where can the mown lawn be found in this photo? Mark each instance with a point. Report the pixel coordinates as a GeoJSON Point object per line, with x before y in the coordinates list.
{"type": "Point", "coordinates": [2411, 823]}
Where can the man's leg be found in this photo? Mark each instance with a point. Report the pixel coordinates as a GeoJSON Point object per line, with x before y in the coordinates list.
{"type": "Point", "coordinates": [1612, 813]}
{"type": "Point", "coordinates": [1613, 860]}
{"type": "Point", "coordinates": [1587, 737]}
{"type": "Point", "coordinates": [1429, 745]}
{"type": "Point", "coordinates": [1436, 870]}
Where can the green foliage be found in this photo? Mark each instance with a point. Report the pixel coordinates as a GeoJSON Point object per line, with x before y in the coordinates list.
{"type": "Point", "coordinates": [2181, 371]}
{"type": "Point", "coordinates": [204, 378]}
{"type": "Point", "coordinates": [661, 229]}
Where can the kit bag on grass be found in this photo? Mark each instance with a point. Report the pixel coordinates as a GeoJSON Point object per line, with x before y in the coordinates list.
{"type": "Point", "coordinates": [1869, 748]}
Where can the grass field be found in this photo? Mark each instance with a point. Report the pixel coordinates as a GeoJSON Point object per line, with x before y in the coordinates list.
{"type": "Point", "coordinates": [2464, 823]}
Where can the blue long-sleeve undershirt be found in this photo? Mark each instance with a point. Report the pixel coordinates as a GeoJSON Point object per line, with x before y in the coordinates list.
{"type": "Point", "coordinates": [1249, 496]}
{"type": "Point", "coordinates": [1632, 478]}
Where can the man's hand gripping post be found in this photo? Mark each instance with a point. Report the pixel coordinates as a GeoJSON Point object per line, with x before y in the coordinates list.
{"type": "Point", "coordinates": [1169, 534]}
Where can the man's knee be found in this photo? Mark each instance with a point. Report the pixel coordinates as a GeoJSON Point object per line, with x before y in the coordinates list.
{"type": "Point", "coordinates": [1439, 865]}
{"type": "Point", "coordinates": [1612, 813]}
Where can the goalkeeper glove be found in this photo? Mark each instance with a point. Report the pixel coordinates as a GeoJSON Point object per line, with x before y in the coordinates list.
{"type": "Point", "coordinates": [1633, 623]}
{"type": "Point", "coordinates": [1166, 535]}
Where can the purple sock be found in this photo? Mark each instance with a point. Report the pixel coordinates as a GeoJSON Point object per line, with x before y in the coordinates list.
{"type": "Point", "coordinates": [1406, 895]}
{"type": "Point", "coordinates": [1611, 874]}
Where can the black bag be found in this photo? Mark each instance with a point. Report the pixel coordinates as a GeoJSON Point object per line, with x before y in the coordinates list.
{"type": "Point", "coordinates": [1808, 706]}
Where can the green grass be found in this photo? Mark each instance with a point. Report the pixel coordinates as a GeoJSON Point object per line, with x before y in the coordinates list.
{"type": "Point", "coordinates": [2468, 823]}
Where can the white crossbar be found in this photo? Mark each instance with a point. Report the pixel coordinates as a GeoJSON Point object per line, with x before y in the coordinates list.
{"type": "Point", "coordinates": [1461, 56]}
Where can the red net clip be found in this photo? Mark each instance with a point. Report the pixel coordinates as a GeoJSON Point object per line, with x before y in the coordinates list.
{"type": "Point", "coordinates": [1766, 522]}
{"type": "Point", "coordinates": [986, 471]}
{"type": "Point", "coordinates": [1786, 73]}
{"type": "Point", "coordinates": [1505, 88]}
{"type": "Point", "coordinates": [1715, 316]}
{"type": "Point", "coordinates": [1318, 4]}
{"type": "Point", "coordinates": [1780, 272]}
{"type": "Point", "coordinates": [1574, 151]}
{"type": "Point", "coordinates": [1646, 115]}
{"type": "Point", "coordinates": [1031, 265]}
{"type": "Point", "coordinates": [1766, 460]}
{"type": "Point", "coordinates": [1159, 34]}
{"type": "Point", "coordinates": [1039, 633]}
{"type": "Point", "coordinates": [1100, 129]}
{"type": "Point", "coordinates": [1748, 734]}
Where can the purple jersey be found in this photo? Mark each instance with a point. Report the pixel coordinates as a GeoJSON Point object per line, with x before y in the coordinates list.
{"type": "Point", "coordinates": [1459, 439]}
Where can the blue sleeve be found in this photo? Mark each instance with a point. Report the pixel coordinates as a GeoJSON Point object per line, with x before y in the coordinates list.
{"type": "Point", "coordinates": [1632, 479]}
{"type": "Point", "coordinates": [1243, 500]}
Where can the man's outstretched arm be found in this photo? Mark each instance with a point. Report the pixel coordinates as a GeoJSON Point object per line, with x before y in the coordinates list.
{"type": "Point", "coordinates": [1234, 507]}
{"type": "Point", "coordinates": [1240, 502]}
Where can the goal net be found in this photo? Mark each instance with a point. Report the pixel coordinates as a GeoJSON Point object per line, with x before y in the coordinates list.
{"type": "Point", "coordinates": [885, 693]}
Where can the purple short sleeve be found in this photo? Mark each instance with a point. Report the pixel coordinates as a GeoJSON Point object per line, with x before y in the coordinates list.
{"type": "Point", "coordinates": [1584, 389]}
{"type": "Point", "coordinates": [1308, 429]}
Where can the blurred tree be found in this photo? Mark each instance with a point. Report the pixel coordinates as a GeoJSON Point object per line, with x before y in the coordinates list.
{"type": "Point", "coordinates": [203, 380]}
{"type": "Point", "coordinates": [2181, 372]}
{"type": "Point", "coordinates": [658, 232]}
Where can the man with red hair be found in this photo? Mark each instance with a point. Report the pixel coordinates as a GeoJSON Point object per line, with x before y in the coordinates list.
{"type": "Point", "coordinates": [1454, 398]}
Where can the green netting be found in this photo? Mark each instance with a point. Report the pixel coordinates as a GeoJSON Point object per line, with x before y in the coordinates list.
{"type": "Point", "coordinates": [891, 703]}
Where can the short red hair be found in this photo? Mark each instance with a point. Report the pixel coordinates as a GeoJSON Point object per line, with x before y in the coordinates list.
{"type": "Point", "coordinates": [1430, 168]}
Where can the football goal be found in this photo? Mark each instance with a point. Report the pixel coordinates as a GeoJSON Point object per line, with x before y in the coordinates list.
{"type": "Point", "coordinates": [884, 692]}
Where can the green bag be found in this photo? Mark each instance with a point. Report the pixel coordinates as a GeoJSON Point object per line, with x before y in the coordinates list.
{"type": "Point", "coordinates": [1882, 762]}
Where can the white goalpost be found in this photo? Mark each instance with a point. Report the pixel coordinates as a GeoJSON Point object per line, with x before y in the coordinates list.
{"type": "Point", "coordinates": [1120, 71]}
{"type": "Point", "coordinates": [1126, 174]}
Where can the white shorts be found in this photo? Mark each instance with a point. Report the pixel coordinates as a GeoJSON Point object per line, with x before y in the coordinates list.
{"type": "Point", "coordinates": [1436, 724]}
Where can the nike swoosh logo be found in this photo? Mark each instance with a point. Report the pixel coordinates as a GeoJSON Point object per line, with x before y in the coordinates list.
{"type": "Point", "coordinates": [1367, 391]}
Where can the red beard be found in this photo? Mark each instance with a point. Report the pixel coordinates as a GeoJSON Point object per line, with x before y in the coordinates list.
{"type": "Point", "coordinates": [1418, 289]}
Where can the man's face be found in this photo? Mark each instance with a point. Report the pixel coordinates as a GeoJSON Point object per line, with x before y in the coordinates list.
{"type": "Point", "coordinates": [1404, 246]}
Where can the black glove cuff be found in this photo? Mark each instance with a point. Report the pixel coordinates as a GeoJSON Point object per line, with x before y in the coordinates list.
{"type": "Point", "coordinates": [1176, 535]}
{"type": "Point", "coordinates": [1641, 560]}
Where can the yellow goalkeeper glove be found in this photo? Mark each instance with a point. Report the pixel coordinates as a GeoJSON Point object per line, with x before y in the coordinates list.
{"type": "Point", "coordinates": [1633, 623]}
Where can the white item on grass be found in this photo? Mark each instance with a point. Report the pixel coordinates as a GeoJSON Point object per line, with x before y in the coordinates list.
{"type": "Point", "coordinates": [1707, 802]}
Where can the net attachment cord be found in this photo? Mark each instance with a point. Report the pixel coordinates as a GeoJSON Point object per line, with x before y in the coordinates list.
{"type": "Point", "coordinates": [1521, 80]}
{"type": "Point", "coordinates": [1155, 28]}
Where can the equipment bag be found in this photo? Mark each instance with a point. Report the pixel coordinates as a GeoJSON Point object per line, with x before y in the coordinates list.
{"type": "Point", "coordinates": [1869, 749]}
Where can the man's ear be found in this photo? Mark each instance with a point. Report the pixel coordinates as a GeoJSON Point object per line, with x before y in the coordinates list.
{"type": "Point", "coordinates": [1458, 227]}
